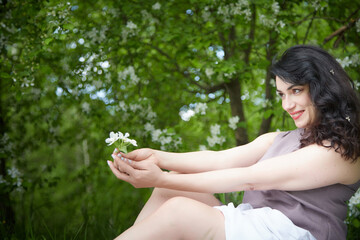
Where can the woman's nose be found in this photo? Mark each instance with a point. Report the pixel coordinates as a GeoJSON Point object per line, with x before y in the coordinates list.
{"type": "Point", "coordinates": [288, 104]}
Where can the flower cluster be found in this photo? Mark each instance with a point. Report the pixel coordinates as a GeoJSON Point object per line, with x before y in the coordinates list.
{"type": "Point", "coordinates": [156, 6]}
{"type": "Point", "coordinates": [166, 139]}
{"type": "Point", "coordinates": [233, 121]}
{"type": "Point", "coordinates": [141, 108]}
{"type": "Point", "coordinates": [120, 140]}
{"type": "Point", "coordinates": [200, 108]}
{"type": "Point", "coordinates": [215, 137]}
{"type": "Point", "coordinates": [344, 62]}
{"type": "Point", "coordinates": [209, 72]}
{"type": "Point", "coordinates": [129, 72]}
{"type": "Point", "coordinates": [240, 8]}
{"type": "Point", "coordinates": [129, 30]}
{"type": "Point", "coordinates": [354, 205]}
{"type": "Point", "coordinates": [13, 178]}
{"type": "Point", "coordinates": [352, 61]}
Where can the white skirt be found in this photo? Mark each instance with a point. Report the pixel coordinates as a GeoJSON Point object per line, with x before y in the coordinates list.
{"type": "Point", "coordinates": [247, 223]}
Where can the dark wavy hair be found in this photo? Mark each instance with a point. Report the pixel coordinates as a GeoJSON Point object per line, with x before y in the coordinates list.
{"type": "Point", "coordinates": [332, 93]}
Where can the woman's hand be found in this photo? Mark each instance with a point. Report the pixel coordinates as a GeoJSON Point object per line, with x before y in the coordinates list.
{"type": "Point", "coordinates": [141, 155]}
{"type": "Point", "coordinates": [142, 174]}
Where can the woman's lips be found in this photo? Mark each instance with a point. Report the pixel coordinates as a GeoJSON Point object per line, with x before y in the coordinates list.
{"type": "Point", "coordinates": [296, 115]}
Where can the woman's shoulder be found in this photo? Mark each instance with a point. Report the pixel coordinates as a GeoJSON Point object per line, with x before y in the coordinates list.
{"type": "Point", "coordinates": [269, 138]}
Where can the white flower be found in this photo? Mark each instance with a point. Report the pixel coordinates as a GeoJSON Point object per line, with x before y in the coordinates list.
{"type": "Point", "coordinates": [281, 24]}
{"type": "Point", "coordinates": [353, 202]}
{"type": "Point", "coordinates": [132, 141]}
{"type": "Point", "coordinates": [215, 129]}
{"type": "Point", "coordinates": [113, 138]}
{"type": "Point", "coordinates": [202, 148]}
{"type": "Point", "coordinates": [122, 105]}
{"type": "Point", "coordinates": [151, 115]}
{"type": "Point", "coordinates": [233, 122]}
{"type": "Point", "coordinates": [206, 14]}
{"type": "Point", "coordinates": [86, 107]}
{"type": "Point", "coordinates": [121, 140]}
{"type": "Point", "coordinates": [200, 108]}
{"type": "Point", "coordinates": [149, 127]}
{"type": "Point", "coordinates": [186, 115]}
{"type": "Point", "coordinates": [156, 134]}
{"type": "Point", "coordinates": [131, 25]}
{"type": "Point", "coordinates": [165, 140]}
{"type": "Point", "coordinates": [275, 7]}
{"type": "Point", "coordinates": [355, 58]}
{"type": "Point", "coordinates": [156, 6]}
{"type": "Point", "coordinates": [13, 172]}
{"type": "Point", "coordinates": [345, 62]}
{"type": "Point", "coordinates": [134, 107]}
{"type": "Point", "coordinates": [129, 72]}
{"type": "Point", "coordinates": [209, 72]}
{"type": "Point", "coordinates": [215, 140]}
{"type": "Point", "coordinates": [122, 136]}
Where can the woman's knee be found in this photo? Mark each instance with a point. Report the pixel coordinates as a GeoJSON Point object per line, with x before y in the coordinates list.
{"type": "Point", "coordinates": [162, 193]}
{"type": "Point", "coordinates": [185, 214]}
{"type": "Point", "coordinates": [174, 204]}
{"type": "Point", "coordinates": [179, 205]}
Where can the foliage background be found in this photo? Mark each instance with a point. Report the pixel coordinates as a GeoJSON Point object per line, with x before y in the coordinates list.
{"type": "Point", "coordinates": [72, 71]}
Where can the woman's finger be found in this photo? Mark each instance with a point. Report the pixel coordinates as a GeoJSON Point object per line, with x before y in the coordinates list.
{"type": "Point", "coordinates": [132, 155]}
{"type": "Point", "coordinates": [123, 164]}
{"type": "Point", "coordinates": [116, 162]}
{"type": "Point", "coordinates": [120, 175]}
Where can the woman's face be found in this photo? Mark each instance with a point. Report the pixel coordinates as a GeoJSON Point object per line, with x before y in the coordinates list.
{"type": "Point", "coordinates": [297, 102]}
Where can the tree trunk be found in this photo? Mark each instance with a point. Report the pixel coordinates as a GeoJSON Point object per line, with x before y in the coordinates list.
{"type": "Point", "coordinates": [234, 90]}
{"type": "Point", "coordinates": [270, 53]}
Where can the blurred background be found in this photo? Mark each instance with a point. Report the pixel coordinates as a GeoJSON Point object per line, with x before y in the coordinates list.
{"type": "Point", "coordinates": [178, 75]}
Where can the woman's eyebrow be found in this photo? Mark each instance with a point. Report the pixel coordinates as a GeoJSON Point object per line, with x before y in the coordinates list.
{"type": "Point", "coordinates": [292, 86]}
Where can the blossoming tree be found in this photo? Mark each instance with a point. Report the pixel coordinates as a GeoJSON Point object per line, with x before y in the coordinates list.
{"type": "Point", "coordinates": [177, 75]}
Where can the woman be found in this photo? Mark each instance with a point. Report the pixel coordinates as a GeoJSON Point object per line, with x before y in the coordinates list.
{"type": "Point", "coordinates": [296, 183]}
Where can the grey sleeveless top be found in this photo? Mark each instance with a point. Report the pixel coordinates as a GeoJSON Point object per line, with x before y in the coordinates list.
{"type": "Point", "coordinates": [322, 211]}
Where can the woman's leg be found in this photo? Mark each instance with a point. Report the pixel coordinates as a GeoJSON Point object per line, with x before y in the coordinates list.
{"type": "Point", "coordinates": [160, 195]}
{"type": "Point", "coordinates": [179, 218]}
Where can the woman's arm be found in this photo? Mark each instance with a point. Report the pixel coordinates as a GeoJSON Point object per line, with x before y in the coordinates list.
{"type": "Point", "coordinates": [203, 161]}
{"type": "Point", "coordinates": [308, 168]}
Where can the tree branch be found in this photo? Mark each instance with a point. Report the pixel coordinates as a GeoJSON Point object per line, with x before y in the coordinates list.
{"type": "Point", "coordinates": [323, 18]}
{"type": "Point", "coordinates": [308, 28]}
{"type": "Point", "coordinates": [341, 31]}
{"type": "Point", "coordinates": [208, 89]}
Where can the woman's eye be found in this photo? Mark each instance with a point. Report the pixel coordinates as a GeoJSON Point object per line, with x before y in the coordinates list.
{"type": "Point", "coordinates": [280, 94]}
{"type": "Point", "coordinates": [296, 91]}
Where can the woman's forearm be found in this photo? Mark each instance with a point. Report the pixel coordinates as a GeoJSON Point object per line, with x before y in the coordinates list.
{"type": "Point", "coordinates": [219, 181]}
{"type": "Point", "coordinates": [203, 161]}
{"type": "Point", "coordinates": [191, 162]}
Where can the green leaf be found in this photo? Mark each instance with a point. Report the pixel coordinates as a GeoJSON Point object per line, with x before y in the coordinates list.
{"type": "Point", "coordinates": [62, 37]}
{"type": "Point", "coordinates": [48, 40]}
{"type": "Point", "coordinates": [356, 223]}
{"type": "Point", "coordinates": [123, 149]}
{"type": "Point", "coordinates": [68, 26]}
{"type": "Point", "coordinates": [4, 75]}
{"type": "Point", "coordinates": [268, 113]}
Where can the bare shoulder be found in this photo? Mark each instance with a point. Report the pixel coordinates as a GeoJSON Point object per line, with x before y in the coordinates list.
{"type": "Point", "coordinates": [266, 139]}
{"type": "Point", "coordinates": [309, 167]}
{"type": "Point", "coordinates": [348, 171]}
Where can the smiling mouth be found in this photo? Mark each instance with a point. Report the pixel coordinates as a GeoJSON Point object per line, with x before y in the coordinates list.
{"type": "Point", "coordinates": [296, 115]}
